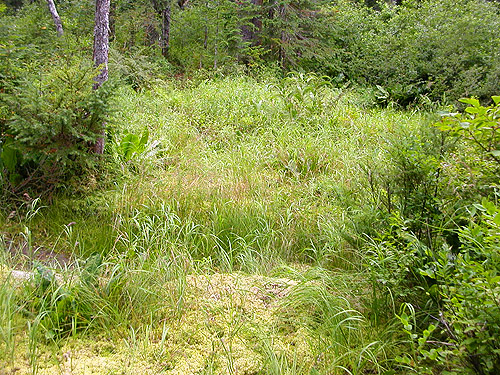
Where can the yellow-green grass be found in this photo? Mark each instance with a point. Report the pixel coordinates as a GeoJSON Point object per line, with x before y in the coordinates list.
{"type": "Point", "coordinates": [227, 244]}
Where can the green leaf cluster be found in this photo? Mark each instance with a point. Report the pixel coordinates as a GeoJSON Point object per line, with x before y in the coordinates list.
{"type": "Point", "coordinates": [479, 126]}
{"type": "Point", "coordinates": [132, 145]}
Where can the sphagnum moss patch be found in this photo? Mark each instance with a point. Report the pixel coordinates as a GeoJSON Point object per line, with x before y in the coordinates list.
{"type": "Point", "coordinates": [226, 317]}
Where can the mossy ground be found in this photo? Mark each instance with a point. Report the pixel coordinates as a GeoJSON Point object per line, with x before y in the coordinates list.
{"type": "Point", "coordinates": [226, 317]}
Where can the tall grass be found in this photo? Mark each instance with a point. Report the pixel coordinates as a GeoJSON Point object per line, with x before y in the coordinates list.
{"type": "Point", "coordinates": [239, 177]}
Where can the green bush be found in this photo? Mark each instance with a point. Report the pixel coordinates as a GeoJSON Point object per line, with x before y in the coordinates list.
{"type": "Point", "coordinates": [479, 129]}
{"type": "Point", "coordinates": [54, 119]}
{"type": "Point", "coordinates": [441, 49]}
{"type": "Point", "coordinates": [461, 277]}
{"type": "Point", "coordinates": [466, 329]}
{"type": "Point", "coordinates": [393, 260]}
{"type": "Point", "coordinates": [139, 68]}
{"type": "Point", "coordinates": [49, 114]}
{"type": "Point", "coordinates": [411, 184]}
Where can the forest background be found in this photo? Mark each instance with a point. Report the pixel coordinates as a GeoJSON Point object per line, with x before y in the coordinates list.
{"type": "Point", "coordinates": [286, 187]}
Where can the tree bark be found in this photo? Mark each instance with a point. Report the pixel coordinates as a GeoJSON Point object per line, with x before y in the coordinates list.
{"type": "Point", "coordinates": [163, 8]}
{"type": "Point", "coordinates": [249, 32]}
{"type": "Point", "coordinates": [165, 29]}
{"type": "Point", "coordinates": [55, 17]}
{"type": "Point", "coordinates": [101, 50]}
{"type": "Point", "coordinates": [205, 37]}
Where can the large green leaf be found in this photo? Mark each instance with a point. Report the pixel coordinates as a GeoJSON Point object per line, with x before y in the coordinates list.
{"type": "Point", "coordinates": [128, 145]}
{"type": "Point", "coordinates": [472, 101]}
{"type": "Point", "coordinates": [144, 139]}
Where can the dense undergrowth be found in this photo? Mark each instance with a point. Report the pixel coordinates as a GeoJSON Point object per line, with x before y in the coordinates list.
{"type": "Point", "coordinates": [263, 226]}
{"type": "Point", "coordinates": [246, 220]}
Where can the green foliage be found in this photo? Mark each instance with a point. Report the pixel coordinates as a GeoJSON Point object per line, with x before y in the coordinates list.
{"type": "Point", "coordinates": [393, 261]}
{"type": "Point", "coordinates": [468, 284]}
{"type": "Point", "coordinates": [303, 93]}
{"type": "Point", "coordinates": [10, 159]}
{"type": "Point", "coordinates": [295, 32]}
{"type": "Point", "coordinates": [49, 114]}
{"type": "Point", "coordinates": [134, 27]}
{"type": "Point", "coordinates": [57, 308]}
{"type": "Point", "coordinates": [480, 127]}
{"type": "Point", "coordinates": [208, 35]}
{"type": "Point", "coordinates": [467, 277]}
{"type": "Point", "coordinates": [453, 252]}
{"type": "Point", "coordinates": [255, 173]}
{"type": "Point", "coordinates": [411, 184]}
{"type": "Point", "coordinates": [138, 67]}
{"type": "Point", "coordinates": [441, 49]}
{"type": "Point", "coordinates": [336, 325]}
{"type": "Point", "coordinates": [420, 359]}
{"type": "Point", "coordinates": [53, 123]}
{"type": "Point", "coordinates": [131, 145]}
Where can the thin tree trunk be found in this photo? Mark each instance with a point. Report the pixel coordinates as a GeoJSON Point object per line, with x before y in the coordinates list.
{"type": "Point", "coordinates": [55, 17]}
{"type": "Point", "coordinates": [205, 38]}
{"type": "Point", "coordinates": [284, 37]}
{"type": "Point", "coordinates": [164, 9]}
{"type": "Point", "coordinates": [165, 30]}
{"type": "Point", "coordinates": [101, 49]}
{"type": "Point", "coordinates": [205, 44]}
{"type": "Point", "coordinates": [250, 31]}
{"type": "Point", "coordinates": [216, 44]}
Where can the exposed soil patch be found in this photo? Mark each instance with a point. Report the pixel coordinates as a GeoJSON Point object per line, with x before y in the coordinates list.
{"type": "Point", "coordinates": [20, 256]}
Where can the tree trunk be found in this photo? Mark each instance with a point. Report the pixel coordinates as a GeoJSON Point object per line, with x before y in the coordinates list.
{"type": "Point", "coordinates": [249, 32]}
{"type": "Point", "coordinates": [55, 17]}
{"type": "Point", "coordinates": [163, 8]}
{"type": "Point", "coordinates": [205, 37]}
{"type": "Point", "coordinates": [216, 44]}
{"type": "Point", "coordinates": [284, 37]}
{"type": "Point", "coordinates": [101, 49]}
{"type": "Point", "coordinates": [165, 30]}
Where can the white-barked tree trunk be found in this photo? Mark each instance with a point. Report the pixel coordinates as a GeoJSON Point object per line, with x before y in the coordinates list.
{"type": "Point", "coordinates": [55, 17]}
{"type": "Point", "coordinates": [101, 50]}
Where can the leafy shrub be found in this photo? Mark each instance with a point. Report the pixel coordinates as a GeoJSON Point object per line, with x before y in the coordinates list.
{"type": "Point", "coordinates": [132, 145]}
{"type": "Point", "coordinates": [54, 119]}
{"type": "Point", "coordinates": [411, 184]}
{"type": "Point", "coordinates": [208, 34]}
{"type": "Point", "coordinates": [9, 160]}
{"type": "Point", "coordinates": [303, 93]}
{"type": "Point", "coordinates": [479, 129]}
{"type": "Point", "coordinates": [467, 286]}
{"type": "Point", "coordinates": [467, 277]}
{"type": "Point", "coordinates": [49, 114]}
{"type": "Point", "coordinates": [138, 68]}
{"type": "Point", "coordinates": [461, 278]}
{"type": "Point", "coordinates": [442, 49]}
{"type": "Point", "coordinates": [393, 260]}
